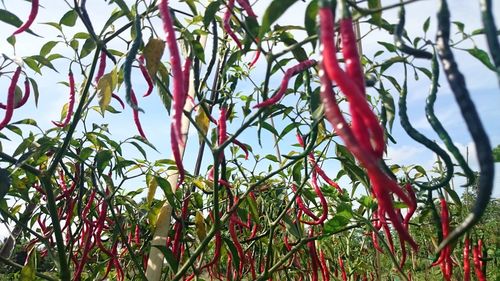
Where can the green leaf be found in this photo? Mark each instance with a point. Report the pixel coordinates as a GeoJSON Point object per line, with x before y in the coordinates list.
{"type": "Point", "coordinates": [102, 159]}
{"type": "Point", "coordinates": [47, 47]}
{"type": "Point", "coordinates": [275, 10]}
{"type": "Point", "coordinates": [210, 12]}
{"type": "Point", "coordinates": [69, 19]}
{"type": "Point", "coordinates": [482, 56]}
{"type": "Point", "coordinates": [4, 183]}
{"type": "Point", "coordinates": [310, 20]}
{"type": "Point", "coordinates": [390, 47]}
{"type": "Point", "coordinates": [167, 190]}
{"type": "Point", "coordinates": [169, 256]}
{"type": "Point", "coordinates": [87, 47]}
{"type": "Point", "coordinates": [496, 153]}
{"type": "Point", "coordinates": [199, 52]}
{"type": "Point", "coordinates": [45, 62]}
{"type": "Point", "coordinates": [427, 22]}
{"type": "Point", "coordinates": [36, 93]}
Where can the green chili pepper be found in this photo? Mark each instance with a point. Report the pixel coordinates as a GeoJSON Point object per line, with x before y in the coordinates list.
{"type": "Point", "coordinates": [129, 60]}
{"type": "Point", "coordinates": [400, 44]}
{"type": "Point", "coordinates": [457, 84]}
{"type": "Point", "coordinates": [420, 138]}
{"type": "Point", "coordinates": [438, 127]}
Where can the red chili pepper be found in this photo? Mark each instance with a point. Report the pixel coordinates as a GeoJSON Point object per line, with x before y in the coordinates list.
{"type": "Point", "coordinates": [146, 76]}
{"type": "Point", "coordinates": [176, 138]}
{"type": "Point", "coordinates": [10, 99]}
{"type": "Point", "coordinates": [476, 255]}
{"type": "Point", "coordinates": [31, 18]}
{"type": "Point", "coordinates": [302, 206]}
{"type": "Point", "coordinates": [324, 204]}
{"type": "Point", "coordinates": [289, 73]}
{"type": "Point", "coordinates": [256, 57]}
{"type": "Point", "coordinates": [311, 245]}
{"type": "Point", "coordinates": [480, 246]}
{"type": "Point", "coordinates": [71, 102]}
{"type": "Point", "coordinates": [325, 273]}
{"type": "Point", "coordinates": [247, 7]}
{"type": "Point", "coordinates": [349, 87]}
{"type": "Point", "coordinates": [227, 23]}
{"type": "Point", "coordinates": [222, 130]}
{"type": "Point", "coordinates": [137, 238]}
{"type": "Point", "coordinates": [342, 269]}
{"type": "Point", "coordinates": [444, 259]}
{"type": "Point", "coordinates": [237, 245]}
{"type": "Point", "coordinates": [317, 168]}
{"type": "Point", "coordinates": [467, 259]}
{"type": "Point", "coordinates": [137, 122]}
{"type": "Point", "coordinates": [116, 97]}
{"type": "Point", "coordinates": [24, 99]}
{"type": "Point", "coordinates": [381, 183]}
{"type": "Point", "coordinates": [242, 146]}
{"type": "Point", "coordinates": [102, 66]}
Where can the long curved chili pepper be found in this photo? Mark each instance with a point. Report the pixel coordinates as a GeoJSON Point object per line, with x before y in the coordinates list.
{"type": "Point", "coordinates": [102, 67]}
{"type": "Point", "coordinates": [324, 204]}
{"type": "Point", "coordinates": [347, 85]}
{"type": "Point", "coordinates": [137, 122]}
{"type": "Point", "coordinates": [401, 45]}
{"type": "Point", "coordinates": [420, 138]}
{"type": "Point", "coordinates": [471, 117]}
{"type": "Point", "coordinates": [445, 254]}
{"type": "Point", "coordinates": [247, 7]}
{"type": "Point", "coordinates": [237, 245]}
{"type": "Point", "coordinates": [490, 30]}
{"type": "Point", "coordinates": [317, 168]}
{"type": "Point", "coordinates": [466, 259]}
{"type": "Point", "coordinates": [24, 99]}
{"type": "Point", "coordinates": [355, 72]}
{"type": "Point", "coordinates": [311, 245]}
{"type": "Point", "coordinates": [117, 98]}
{"type": "Point", "coordinates": [325, 272]}
{"type": "Point", "coordinates": [382, 184]}
{"type": "Point", "coordinates": [178, 89]}
{"type": "Point", "coordinates": [10, 99]}
{"type": "Point", "coordinates": [129, 60]}
{"type": "Point", "coordinates": [342, 269]}
{"type": "Point", "coordinates": [438, 127]}
{"type": "Point", "coordinates": [31, 18]}
{"type": "Point", "coordinates": [302, 206]}
{"type": "Point", "coordinates": [289, 73]}
{"type": "Point", "coordinates": [227, 24]}
{"type": "Point", "coordinates": [71, 102]}
{"type": "Point", "coordinates": [255, 58]}
{"type": "Point", "coordinates": [476, 256]}
{"type": "Point", "coordinates": [146, 76]}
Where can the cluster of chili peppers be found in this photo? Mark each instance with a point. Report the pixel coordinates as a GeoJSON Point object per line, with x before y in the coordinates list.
{"type": "Point", "coordinates": [365, 137]}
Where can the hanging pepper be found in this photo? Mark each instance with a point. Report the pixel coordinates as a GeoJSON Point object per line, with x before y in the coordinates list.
{"type": "Point", "coordinates": [227, 24]}
{"type": "Point", "coordinates": [146, 76]}
{"type": "Point", "coordinates": [467, 259]}
{"type": "Point", "coordinates": [10, 98]}
{"type": "Point", "coordinates": [289, 73]}
{"type": "Point", "coordinates": [24, 99]}
{"type": "Point", "coordinates": [176, 138]}
{"type": "Point", "coordinates": [71, 103]}
{"type": "Point", "coordinates": [31, 18]}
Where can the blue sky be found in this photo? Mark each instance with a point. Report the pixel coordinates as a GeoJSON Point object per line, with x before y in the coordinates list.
{"type": "Point", "coordinates": [482, 84]}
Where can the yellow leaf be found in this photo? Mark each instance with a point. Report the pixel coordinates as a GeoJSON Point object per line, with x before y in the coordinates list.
{"type": "Point", "coordinates": [202, 121]}
{"type": "Point", "coordinates": [153, 51]}
{"type": "Point", "coordinates": [201, 230]}
{"type": "Point", "coordinates": [104, 91]}
{"type": "Point", "coordinates": [152, 185]}
{"type": "Point", "coordinates": [28, 270]}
